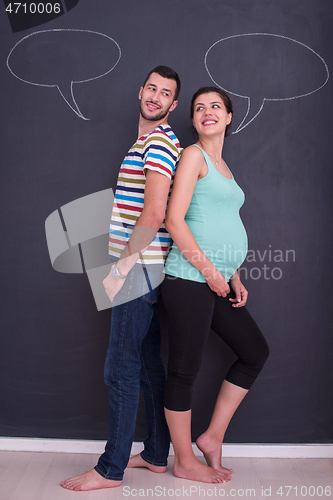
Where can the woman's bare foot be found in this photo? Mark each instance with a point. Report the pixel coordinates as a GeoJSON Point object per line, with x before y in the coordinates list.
{"type": "Point", "coordinates": [197, 471]}
{"type": "Point", "coordinates": [212, 452]}
{"type": "Point", "coordinates": [90, 480]}
{"type": "Point", "coordinates": [138, 461]}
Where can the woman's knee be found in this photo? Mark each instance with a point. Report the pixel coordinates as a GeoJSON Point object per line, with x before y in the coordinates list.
{"type": "Point", "coordinates": [263, 353]}
{"type": "Point", "coordinates": [178, 390]}
{"type": "Point", "coordinates": [251, 365]}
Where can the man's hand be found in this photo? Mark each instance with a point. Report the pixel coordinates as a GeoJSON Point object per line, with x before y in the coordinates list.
{"type": "Point", "coordinates": [240, 292]}
{"type": "Point", "coordinates": [112, 286]}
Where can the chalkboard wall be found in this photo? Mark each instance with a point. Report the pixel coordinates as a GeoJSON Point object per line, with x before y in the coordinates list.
{"type": "Point", "coordinates": [69, 83]}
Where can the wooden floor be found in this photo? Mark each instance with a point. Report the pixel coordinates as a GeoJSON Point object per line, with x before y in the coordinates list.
{"type": "Point", "coordinates": [36, 476]}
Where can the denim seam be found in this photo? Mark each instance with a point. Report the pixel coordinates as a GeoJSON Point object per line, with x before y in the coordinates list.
{"type": "Point", "coordinates": [152, 302]}
{"type": "Point", "coordinates": [153, 404]}
{"type": "Point", "coordinates": [120, 357]}
{"type": "Point", "coordinates": [155, 432]}
{"type": "Point", "coordinates": [113, 478]}
{"type": "Point", "coordinates": [150, 462]}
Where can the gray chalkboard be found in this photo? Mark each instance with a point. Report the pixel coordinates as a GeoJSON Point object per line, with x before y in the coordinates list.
{"type": "Point", "coordinates": [69, 106]}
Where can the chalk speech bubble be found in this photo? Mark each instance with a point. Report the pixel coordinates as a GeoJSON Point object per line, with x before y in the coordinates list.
{"type": "Point", "coordinates": [59, 58]}
{"type": "Point", "coordinates": [264, 67]}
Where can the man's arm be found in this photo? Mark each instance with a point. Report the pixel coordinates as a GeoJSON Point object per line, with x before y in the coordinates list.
{"type": "Point", "coordinates": [152, 216]}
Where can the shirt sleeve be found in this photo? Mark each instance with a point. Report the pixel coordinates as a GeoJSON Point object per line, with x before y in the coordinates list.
{"type": "Point", "coordinates": [160, 154]}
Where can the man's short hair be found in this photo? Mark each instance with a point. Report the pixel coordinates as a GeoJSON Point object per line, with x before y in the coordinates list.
{"type": "Point", "coordinates": [166, 72]}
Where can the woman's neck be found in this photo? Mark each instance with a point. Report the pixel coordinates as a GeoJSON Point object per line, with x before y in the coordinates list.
{"type": "Point", "coordinates": [213, 147]}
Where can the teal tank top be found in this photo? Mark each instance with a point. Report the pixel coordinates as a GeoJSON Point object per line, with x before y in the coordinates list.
{"type": "Point", "coordinates": [214, 220]}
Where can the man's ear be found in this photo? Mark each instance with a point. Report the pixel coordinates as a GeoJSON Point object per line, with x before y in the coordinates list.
{"type": "Point", "coordinates": [140, 93]}
{"type": "Point", "coordinates": [173, 105]}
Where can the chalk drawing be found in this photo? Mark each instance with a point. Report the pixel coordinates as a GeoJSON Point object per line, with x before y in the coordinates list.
{"type": "Point", "coordinates": [63, 57]}
{"type": "Point", "coordinates": [264, 67]}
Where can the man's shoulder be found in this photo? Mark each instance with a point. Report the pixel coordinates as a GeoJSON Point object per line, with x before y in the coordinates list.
{"type": "Point", "coordinates": [163, 133]}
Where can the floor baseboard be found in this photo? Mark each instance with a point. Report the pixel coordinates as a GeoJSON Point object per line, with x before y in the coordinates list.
{"type": "Point", "coordinates": [229, 450]}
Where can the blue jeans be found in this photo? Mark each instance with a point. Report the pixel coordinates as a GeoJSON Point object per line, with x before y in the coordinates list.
{"type": "Point", "coordinates": [133, 360]}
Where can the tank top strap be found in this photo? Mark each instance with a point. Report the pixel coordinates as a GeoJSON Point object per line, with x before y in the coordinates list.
{"type": "Point", "coordinates": [207, 159]}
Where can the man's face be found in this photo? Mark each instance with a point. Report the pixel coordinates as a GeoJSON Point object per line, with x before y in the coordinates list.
{"type": "Point", "coordinates": [157, 97]}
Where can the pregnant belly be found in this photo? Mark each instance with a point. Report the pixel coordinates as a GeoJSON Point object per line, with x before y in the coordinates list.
{"type": "Point", "coordinates": [228, 247]}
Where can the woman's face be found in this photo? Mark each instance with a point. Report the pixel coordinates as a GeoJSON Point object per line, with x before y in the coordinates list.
{"type": "Point", "coordinates": [210, 116]}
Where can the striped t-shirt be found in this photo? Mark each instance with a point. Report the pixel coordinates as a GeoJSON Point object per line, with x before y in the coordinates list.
{"type": "Point", "coordinates": [159, 150]}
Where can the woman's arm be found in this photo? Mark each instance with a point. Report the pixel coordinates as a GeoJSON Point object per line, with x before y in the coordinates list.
{"type": "Point", "coordinates": [191, 165]}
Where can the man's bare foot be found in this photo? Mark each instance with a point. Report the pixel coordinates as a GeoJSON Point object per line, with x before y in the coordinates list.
{"type": "Point", "coordinates": [197, 471]}
{"type": "Point", "coordinates": [212, 451]}
{"type": "Point", "coordinates": [138, 461]}
{"type": "Point", "coordinates": [90, 480]}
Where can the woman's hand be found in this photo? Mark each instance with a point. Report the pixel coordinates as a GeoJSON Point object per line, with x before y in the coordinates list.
{"type": "Point", "coordinates": [217, 283]}
{"type": "Point", "coordinates": [240, 292]}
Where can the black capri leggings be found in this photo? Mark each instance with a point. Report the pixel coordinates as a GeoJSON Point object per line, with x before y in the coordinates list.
{"type": "Point", "coordinates": [193, 309]}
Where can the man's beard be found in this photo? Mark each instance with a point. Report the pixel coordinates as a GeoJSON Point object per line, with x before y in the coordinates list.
{"type": "Point", "coordinates": [154, 118]}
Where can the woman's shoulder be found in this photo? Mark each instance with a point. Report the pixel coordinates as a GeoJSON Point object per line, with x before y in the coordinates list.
{"type": "Point", "coordinates": [192, 161]}
{"type": "Point", "coordinates": [193, 152]}
{"type": "Point", "coordinates": [195, 148]}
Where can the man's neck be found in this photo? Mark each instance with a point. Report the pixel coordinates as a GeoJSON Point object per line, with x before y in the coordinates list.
{"type": "Point", "coordinates": [147, 126]}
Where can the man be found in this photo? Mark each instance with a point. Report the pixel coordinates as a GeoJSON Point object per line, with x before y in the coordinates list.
{"type": "Point", "coordinates": [139, 239]}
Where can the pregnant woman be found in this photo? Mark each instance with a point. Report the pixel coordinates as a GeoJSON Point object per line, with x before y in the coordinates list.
{"type": "Point", "coordinates": [202, 289]}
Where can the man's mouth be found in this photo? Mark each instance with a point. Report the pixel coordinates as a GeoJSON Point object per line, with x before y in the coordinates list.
{"type": "Point", "coordinates": [152, 106]}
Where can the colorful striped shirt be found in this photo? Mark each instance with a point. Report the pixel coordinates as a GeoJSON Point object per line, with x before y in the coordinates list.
{"type": "Point", "coordinates": [159, 150]}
